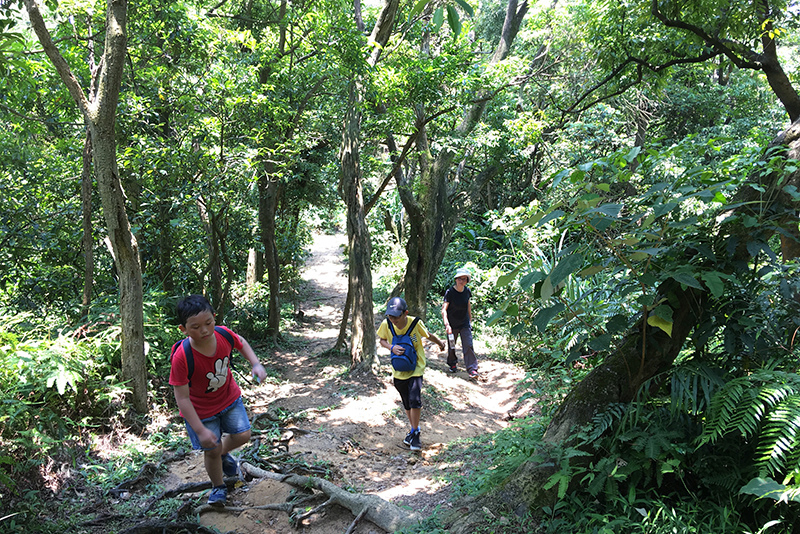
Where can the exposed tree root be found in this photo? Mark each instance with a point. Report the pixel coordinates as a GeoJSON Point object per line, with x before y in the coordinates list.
{"type": "Point", "coordinates": [384, 514]}
{"type": "Point", "coordinates": [168, 527]}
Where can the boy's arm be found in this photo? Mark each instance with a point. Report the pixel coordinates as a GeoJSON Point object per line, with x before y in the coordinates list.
{"type": "Point", "coordinates": [386, 345]}
{"type": "Point", "coordinates": [436, 340]}
{"type": "Point", "coordinates": [207, 438]}
{"type": "Point", "coordinates": [248, 352]}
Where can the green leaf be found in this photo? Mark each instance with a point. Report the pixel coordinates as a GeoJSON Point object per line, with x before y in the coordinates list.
{"type": "Point", "coordinates": [664, 312]}
{"type": "Point", "coordinates": [687, 280]}
{"type": "Point", "coordinates": [550, 216]}
{"type": "Point", "coordinates": [600, 343]}
{"type": "Point", "coordinates": [714, 283]}
{"type": "Point", "coordinates": [417, 8]}
{"type": "Point", "coordinates": [527, 281]}
{"type": "Point", "coordinates": [507, 278]}
{"type": "Point", "coordinates": [617, 323]}
{"type": "Point", "coordinates": [438, 19]}
{"type": "Point", "coordinates": [663, 209]}
{"type": "Point", "coordinates": [466, 7]}
{"type": "Point", "coordinates": [590, 271]}
{"type": "Point", "coordinates": [494, 317]}
{"type": "Point", "coordinates": [768, 488]}
{"type": "Point", "coordinates": [632, 154]}
{"type": "Point", "coordinates": [565, 267]}
{"type": "Point", "coordinates": [546, 315]}
{"type": "Point", "coordinates": [658, 322]}
{"type": "Point", "coordinates": [532, 220]}
{"type": "Point", "coordinates": [454, 20]}
{"type": "Point", "coordinates": [611, 210]}
{"type": "Point", "coordinates": [547, 288]}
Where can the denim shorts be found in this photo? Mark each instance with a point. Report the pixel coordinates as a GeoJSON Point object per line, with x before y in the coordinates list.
{"type": "Point", "coordinates": [231, 420]}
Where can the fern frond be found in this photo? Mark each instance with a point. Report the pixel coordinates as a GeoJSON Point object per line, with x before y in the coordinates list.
{"type": "Point", "coordinates": [602, 421]}
{"type": "Point", "coordinates": [692, 386]}
{"type": "Point", "coordinates": [779, 440]}
{"type": "Point", "coordinates": [766, 406]}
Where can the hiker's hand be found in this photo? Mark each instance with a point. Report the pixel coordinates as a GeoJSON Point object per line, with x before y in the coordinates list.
{"type": "Point", "coordinates": [397, 349]}
{"type": "Point", "coordinates": [259, 372]}
{"type": "Point", "coordinates": [441, 346]}
{"type": "Point", "coordinates": [208, 439]}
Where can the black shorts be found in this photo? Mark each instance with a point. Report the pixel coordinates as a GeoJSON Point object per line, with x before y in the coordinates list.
{"type": "Point", "coordinates": [410, 391]}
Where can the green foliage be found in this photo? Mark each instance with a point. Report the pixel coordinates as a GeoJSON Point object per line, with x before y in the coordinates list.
{"type": "Point", "coordinates": [45, 384]}
{"type": "Point", "coordinates": [606, 259]}
{"type": "Point", "coordinates": [487, 460]}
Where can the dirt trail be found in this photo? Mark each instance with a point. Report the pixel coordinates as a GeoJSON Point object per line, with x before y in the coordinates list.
{"type": "Point", "coordinates": [356, 423]}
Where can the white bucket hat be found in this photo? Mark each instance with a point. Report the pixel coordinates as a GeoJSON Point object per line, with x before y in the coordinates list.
{"type": "Point", "coordinates": [463, 272]}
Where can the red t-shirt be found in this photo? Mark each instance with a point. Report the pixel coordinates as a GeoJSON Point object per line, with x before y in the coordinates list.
{"type": "Point", "coordinates": [212, 386]}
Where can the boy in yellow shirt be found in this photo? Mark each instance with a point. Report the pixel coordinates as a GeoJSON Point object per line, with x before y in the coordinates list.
{"type": "Point", "coordinates": [407, 383]}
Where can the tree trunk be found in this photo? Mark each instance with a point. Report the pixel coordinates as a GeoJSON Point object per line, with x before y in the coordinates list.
{"type": "Point", "coordinates": [88, 238]}
{"type": "Point", "coordinates": [434, 214]}
{"type": "Point", "coordinates": [100, 116]}
{"type": "Point", "coordinates": [255, 268]}
{"type": "Point", "coordinates": [359, 291]}
{"type": "Point", "coordinates": [269, 193]}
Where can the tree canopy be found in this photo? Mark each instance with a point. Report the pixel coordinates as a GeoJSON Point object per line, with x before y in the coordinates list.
{"type": "Point", "coordinates": [621, 176]}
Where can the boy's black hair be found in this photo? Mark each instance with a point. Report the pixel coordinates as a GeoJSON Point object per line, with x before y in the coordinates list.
{"type": "Point", "coordinates": [192, 305]}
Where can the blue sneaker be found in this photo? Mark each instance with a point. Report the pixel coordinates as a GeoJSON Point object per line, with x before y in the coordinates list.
{"type": "Point", "coordinates": [218, 496]}
{"type": "Point", "coordinates": [229, 465]}
{"type": "Point", "coordinates": [408, 438]}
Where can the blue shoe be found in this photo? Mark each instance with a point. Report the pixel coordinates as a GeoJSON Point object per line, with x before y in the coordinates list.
{"type": "Point", "coordinates": [229, 465]}
{"type": "Point", "coordinates": [408, 438]}
{"type": "Point", "coordinates": [218, 496]}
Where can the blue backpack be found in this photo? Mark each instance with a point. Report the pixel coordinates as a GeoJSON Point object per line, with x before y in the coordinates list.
{"type": "Point", "coordinates": [408, 360]}
{"type": "Point", "coordinates": [187, 350]}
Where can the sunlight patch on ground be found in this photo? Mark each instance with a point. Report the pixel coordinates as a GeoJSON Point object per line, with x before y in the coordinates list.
{"type": "Point", "coordinates": [411, 488]}
{"type": "Point", "coordinates": [368, 410]}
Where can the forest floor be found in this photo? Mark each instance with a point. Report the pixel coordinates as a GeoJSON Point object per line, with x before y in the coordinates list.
{"type": "Point", "coordinates": [355, 424]}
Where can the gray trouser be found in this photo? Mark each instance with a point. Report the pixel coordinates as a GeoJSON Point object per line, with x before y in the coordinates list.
{"type": "Point", "coordinates": [470, 361]}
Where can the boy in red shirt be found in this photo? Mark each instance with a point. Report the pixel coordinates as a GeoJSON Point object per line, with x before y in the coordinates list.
{"type": "Point", "coordinates": [208, 397]}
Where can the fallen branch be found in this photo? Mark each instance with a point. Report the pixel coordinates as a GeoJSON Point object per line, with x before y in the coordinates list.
{"type": "Point", "coordinates": [384, 514]}
{"type": "Point", "coordinates": [355, 522]}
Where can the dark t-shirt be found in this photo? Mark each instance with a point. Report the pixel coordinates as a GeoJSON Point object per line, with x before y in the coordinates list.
{"type": "Point", "coordinates": [457, 312]}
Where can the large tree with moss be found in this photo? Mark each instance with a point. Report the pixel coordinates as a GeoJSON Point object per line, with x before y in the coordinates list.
{"type": "Point", "coordinates": [684, 274]}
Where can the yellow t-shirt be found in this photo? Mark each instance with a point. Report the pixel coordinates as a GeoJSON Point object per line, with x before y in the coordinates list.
{"type": "Point", "coordinates": [416, 337]}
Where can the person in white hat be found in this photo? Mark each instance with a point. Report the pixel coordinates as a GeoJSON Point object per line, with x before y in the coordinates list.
{"type": "Point", "coordinates": [457, 317]}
